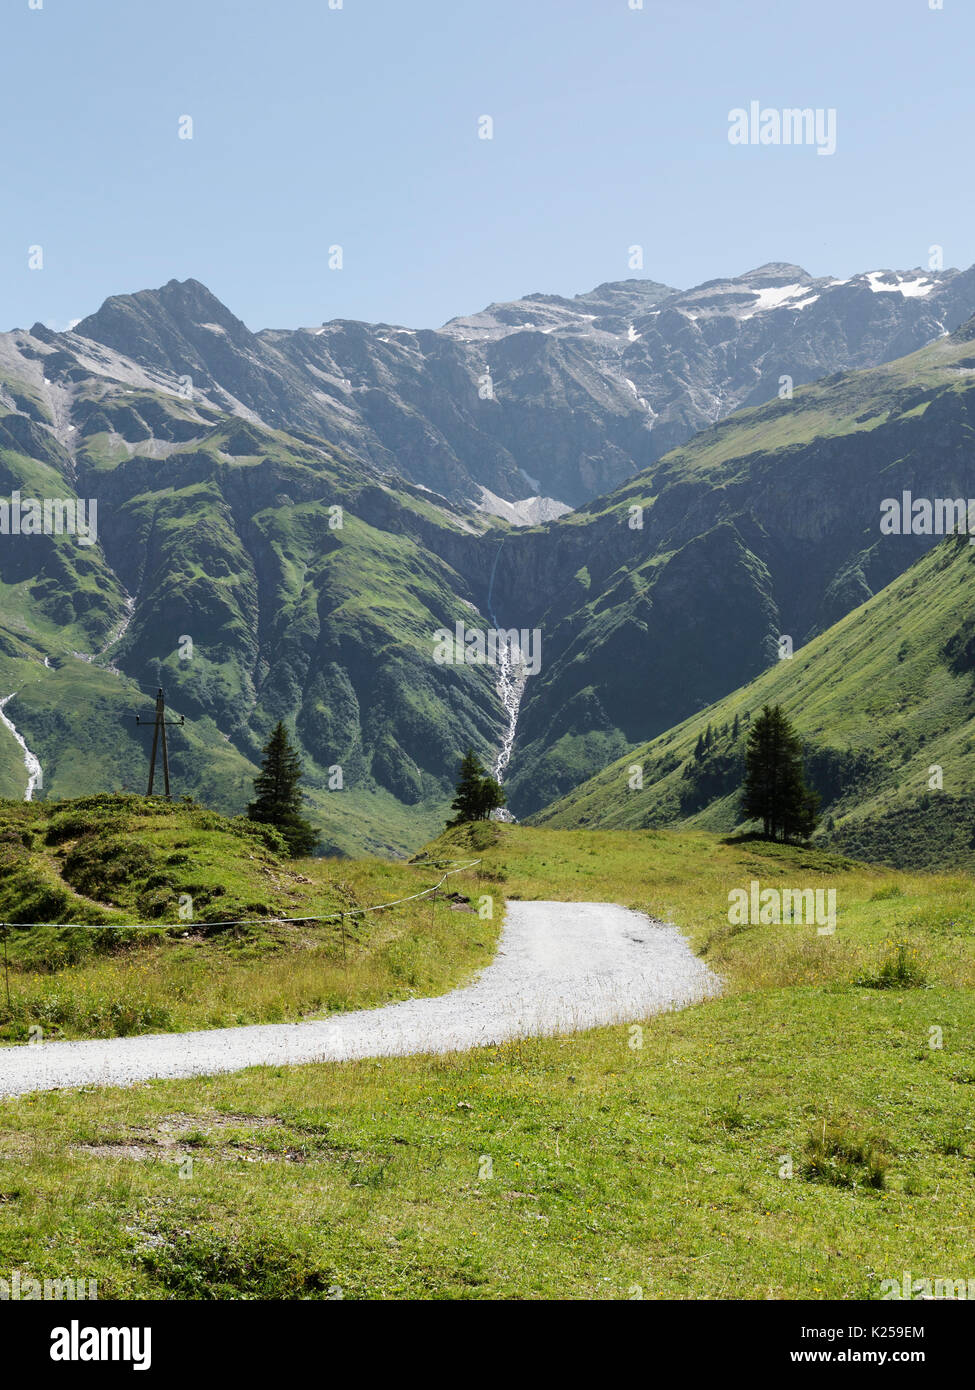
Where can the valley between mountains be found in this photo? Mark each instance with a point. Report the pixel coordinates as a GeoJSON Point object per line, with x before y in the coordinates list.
{"type": "Point", "coordinates": [660, 486]}
{"type": "Point", "coordinates": [660, 483]}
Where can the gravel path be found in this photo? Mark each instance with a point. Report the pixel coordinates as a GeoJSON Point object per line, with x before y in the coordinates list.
{"type": "Point", "coordinates": [560, 967]}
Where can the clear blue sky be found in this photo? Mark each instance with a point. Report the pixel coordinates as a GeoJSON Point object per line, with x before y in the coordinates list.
{"type": "Point", "coordinates": [358, 126]}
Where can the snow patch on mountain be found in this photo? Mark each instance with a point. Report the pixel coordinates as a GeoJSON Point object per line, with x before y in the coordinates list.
{"type": "Point", "coordinates": [780, 296]}
{"type": "Point", "coordinates": [530, 511]}
{"type": "Point", "coordinates": [910, 286]}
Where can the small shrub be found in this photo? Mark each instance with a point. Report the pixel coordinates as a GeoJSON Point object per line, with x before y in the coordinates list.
{"type": "Point", "coordinates": [204, 1263]}
{"type": "Point", "coordinates": [843, 1157]}
{"type": "Point", "coordinates": [899, 969]}
{"type": "Point", "coordinates": [731, 1117]}
{"type": "Point", "coordinates": [953, 1142]}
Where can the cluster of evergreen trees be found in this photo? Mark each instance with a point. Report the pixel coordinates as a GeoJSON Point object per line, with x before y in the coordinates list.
{"type": "Point", "coordinates": [774, 792]}
{"type": "Point", "coordinates": [277, 798]}
{"type": "Point", "coordinates": [711, 737]}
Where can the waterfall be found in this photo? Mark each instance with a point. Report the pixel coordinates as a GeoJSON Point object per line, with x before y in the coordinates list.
{"type": "Point", "coordinates": [511, 688]}
{"type": "Point", "coordinates": [31, 761]}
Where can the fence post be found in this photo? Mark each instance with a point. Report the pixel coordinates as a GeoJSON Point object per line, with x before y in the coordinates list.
{"type": "Point", "coordinates": [6, 968]}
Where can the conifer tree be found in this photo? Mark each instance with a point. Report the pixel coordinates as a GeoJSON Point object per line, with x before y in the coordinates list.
{"type": "Point", "coordinates": [775, 790]}
{"type": "Point", "coordinates": [477, 793]}
{"type": "Point", "coordinates": [278, 797]}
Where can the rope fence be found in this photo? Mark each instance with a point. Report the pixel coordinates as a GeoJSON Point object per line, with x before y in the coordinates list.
{"type": "Point", "coordinates": [257, 921]}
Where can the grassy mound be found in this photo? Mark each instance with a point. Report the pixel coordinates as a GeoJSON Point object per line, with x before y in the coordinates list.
{"type": "Point", "coordinates": [214, 893]}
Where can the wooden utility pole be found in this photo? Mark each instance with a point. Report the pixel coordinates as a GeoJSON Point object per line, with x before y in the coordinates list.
{"type": "Point", "coordinates": [159, 730]}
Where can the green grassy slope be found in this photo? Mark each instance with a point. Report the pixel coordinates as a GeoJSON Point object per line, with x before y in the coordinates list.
{"type": "Point", "coordinates": [805, 1136]}
{"type": "Point", "coordinates": [104, 861]}
{"type": "Point", "coordinates": [269, 579]}
{"type": "Point", "coordinates": [250, 604]}
{"type": "Point", "coordinates": [844, 404]}
{"type": "Point", "coordinates": [883, 698]}
{"type": "Point", "coordinates": [766, 524]}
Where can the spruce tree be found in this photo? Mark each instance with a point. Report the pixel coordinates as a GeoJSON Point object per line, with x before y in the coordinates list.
{"type": "Point", "coordinates": [492, 797]}
{"type": "Point", "coordinates": [277, 795]}
{"type": "Point", "coordinates": [477, 793]}
{"type": "Point", "coordinates": [775, 790]}
{"type": "Point", "coordinates": [801, 814]}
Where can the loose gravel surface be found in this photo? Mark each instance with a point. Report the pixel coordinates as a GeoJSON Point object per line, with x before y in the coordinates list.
{"type": "Point", "coordinates": [560, 967]}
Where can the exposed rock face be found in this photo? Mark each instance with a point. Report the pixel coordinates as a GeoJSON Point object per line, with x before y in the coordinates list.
{"type": "Point", "coordinates": [570, 396]}
{"type": "Point", "coordinates": [220, 459]}
{"type": "Point", "coordinates": [766, 525]}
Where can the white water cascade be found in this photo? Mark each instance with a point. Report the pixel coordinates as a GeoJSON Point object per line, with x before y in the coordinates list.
{"type": "Point", "coordinates": [31, 761]}
{"type": "Point", "coordinates": [511, 688]}
{"type": "Point", "coordinates": [119, 632]}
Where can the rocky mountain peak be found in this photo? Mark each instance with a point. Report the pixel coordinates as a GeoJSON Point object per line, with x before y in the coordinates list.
{"type": "Point", "coordinates": [578, 392]}
{"type": "Point", "coordinates": [776, 273]}
{"type": "Point", "coordinates": [165, 327]}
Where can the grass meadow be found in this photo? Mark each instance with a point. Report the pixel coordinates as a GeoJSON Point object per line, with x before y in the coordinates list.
{"type": "Point", "coordinates": [807, 1135]}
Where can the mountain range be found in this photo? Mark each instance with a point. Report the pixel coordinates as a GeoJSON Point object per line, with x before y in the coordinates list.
{"type": "Point", "coordinates": [285, 518]}
{"type": "Point", "coordinates": [549, 396]}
